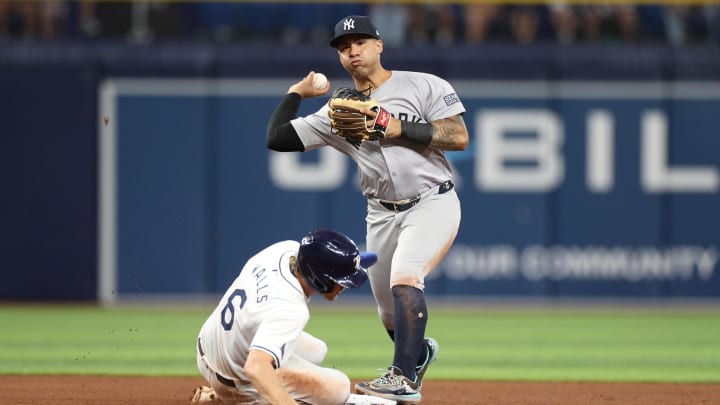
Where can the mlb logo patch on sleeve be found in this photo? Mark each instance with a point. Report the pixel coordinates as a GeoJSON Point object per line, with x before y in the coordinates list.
{"type": "Point", "coordinates": [451, 99]}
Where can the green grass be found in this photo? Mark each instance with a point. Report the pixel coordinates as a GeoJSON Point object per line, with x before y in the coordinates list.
{"type": "Point", "coordinates": [551, 345]}
{"type": "Point", "coordinates": [88, 340]}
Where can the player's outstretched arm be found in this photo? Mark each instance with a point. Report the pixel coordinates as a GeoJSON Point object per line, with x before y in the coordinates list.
{"type": "Point", "coordinates": [260, 370]}
{"type": "Point", "coordinates": [450, 134]}
{"type": "Point", "coordinates": [446, 134]}
{"type": "Point", "coordinates": [280, 135]}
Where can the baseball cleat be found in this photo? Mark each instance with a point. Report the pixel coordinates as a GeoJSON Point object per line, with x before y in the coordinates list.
{"type": "Point", "coordinates": [392, 385]}
{"type": "Point", "coordinates": [420, 369]}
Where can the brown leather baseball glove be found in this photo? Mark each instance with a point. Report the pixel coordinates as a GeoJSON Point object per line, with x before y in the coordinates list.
{"type": "Point", "coordinates": [349, 122]}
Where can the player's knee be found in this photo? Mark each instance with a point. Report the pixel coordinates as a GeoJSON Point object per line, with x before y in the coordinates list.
{"type": "Point", "coordinates": [343, 382]}
{"type": "Point", "coordinates": [339, 387]}
{"type": "Point", "coordinates": [315, 351]}
{"type": "Point", "coordinates": [321, 350]}
{"type": "Point", "coordinates": [410, 280]}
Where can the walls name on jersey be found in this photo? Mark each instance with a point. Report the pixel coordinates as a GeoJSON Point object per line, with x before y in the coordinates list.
{"type": "Point", "coordinates": [260, 275]}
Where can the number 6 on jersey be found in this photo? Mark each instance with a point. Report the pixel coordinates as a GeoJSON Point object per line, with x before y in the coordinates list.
{"type": "Point", "coordinates": [228, 313]}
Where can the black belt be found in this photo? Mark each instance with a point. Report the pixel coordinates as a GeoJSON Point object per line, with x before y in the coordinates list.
{"type": "Point", "coordinates": [224, 380]}
{"type": "Point", "coordinates": [404, 205]}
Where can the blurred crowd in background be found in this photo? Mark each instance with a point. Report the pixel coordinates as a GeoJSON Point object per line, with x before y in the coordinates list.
{"type": "Point", "coordinates": [442, 24]}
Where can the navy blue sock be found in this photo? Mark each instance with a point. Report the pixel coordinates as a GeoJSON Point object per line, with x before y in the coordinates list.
{"type": "Point", "coordinates": [423, 354]}
{"type": "Point", "coordinates": [409, 320]}
{"type": "Point", "coordinates": [423, 348]}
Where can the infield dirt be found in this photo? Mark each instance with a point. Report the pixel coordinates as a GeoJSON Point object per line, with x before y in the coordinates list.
{"type": "Point", "coordinates": [108, 390]}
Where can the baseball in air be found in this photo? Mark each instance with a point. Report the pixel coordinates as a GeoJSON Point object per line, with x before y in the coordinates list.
{"type": "Point", "coordinates": [319, 81]}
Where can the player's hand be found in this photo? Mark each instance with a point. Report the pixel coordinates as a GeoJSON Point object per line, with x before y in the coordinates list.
{"type": "Point", "coordinates": [393, 129]}
{"type": "Point", "coordinates": [306, 89]}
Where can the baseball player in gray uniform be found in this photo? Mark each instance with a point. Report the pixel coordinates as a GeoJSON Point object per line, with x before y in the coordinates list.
{"type": "Point", "coordinates": [252, 349]}
{"type": "Point", "coordinates": [413, 212]}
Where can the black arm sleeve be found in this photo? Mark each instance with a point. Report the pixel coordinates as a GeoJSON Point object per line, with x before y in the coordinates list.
{"type": "Point", "coordinates": [281, 136]}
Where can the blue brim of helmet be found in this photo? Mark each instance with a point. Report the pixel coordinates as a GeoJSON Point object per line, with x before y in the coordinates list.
{"type": "Point", "coordinates": [367, 259]}
{"type": "Point", "coordinates": [355, 280]}
{"type": "Point", "coordinates": [360, 276]}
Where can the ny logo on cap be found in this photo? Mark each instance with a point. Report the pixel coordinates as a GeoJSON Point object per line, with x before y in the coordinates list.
{"type": "Point", "coordinates": [348, 24]}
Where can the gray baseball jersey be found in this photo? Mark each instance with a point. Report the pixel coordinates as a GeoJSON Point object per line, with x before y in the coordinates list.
{"type": "Point", "coordinates": [411, 243]}
{"type": "Point", "coordinates": [394, 169]}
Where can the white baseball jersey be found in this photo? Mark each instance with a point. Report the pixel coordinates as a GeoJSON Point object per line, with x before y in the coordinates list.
{"type": "Point", "coordinates": [264, 308]}
{"type": "Point", "coordinates": [386, 172]}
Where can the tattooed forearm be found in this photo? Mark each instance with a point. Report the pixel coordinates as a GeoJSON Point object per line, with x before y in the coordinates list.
{"type": "Point", "coordinates": [450, 134]}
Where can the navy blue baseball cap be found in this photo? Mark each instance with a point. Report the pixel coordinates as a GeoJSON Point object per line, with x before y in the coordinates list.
{"type": "Point", "coordinates": [354, 24]}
